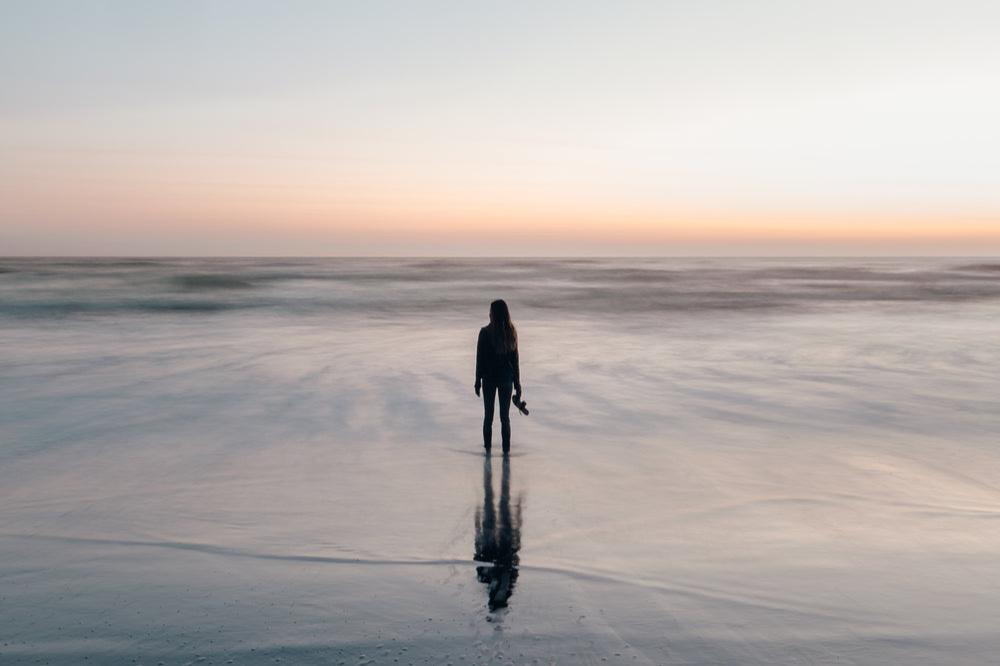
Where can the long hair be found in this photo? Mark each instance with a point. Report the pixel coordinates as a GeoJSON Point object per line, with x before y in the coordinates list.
{"type": "Point", "coordinates": [501, 327]}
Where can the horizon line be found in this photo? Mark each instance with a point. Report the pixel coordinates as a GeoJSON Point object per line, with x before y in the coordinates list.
{"type": "Point", "coordinates": [501, 257]}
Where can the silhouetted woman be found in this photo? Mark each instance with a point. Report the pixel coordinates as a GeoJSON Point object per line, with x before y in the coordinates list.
{"type": "Point", "coordinates": [497, 370]}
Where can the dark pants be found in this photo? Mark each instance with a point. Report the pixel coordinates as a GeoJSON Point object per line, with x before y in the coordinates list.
{"type": "Point", "coordinates": [490, 391]}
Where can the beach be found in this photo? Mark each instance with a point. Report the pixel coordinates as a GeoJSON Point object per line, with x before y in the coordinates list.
{"type": "Point", "coordinates": [727, 461]}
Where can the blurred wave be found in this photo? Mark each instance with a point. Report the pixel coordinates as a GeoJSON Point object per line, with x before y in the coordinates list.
{"type": "Point", "coordinates": [980, 267]}
{"type": "Point", "coordinates": [61, 287]}
{"type": "Point", "coordinates": [210, 281]}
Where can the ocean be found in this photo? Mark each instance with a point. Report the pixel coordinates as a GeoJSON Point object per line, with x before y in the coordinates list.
{"type": "Point", "coordinates": [727, 461]}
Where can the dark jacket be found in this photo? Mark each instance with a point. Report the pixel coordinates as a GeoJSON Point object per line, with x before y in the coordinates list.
{"type": "Point", "coordinates": [495, 366]}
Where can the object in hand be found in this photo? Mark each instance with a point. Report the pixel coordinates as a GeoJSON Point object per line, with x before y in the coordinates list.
{"type": "Point", "coordinates": [521, 405]}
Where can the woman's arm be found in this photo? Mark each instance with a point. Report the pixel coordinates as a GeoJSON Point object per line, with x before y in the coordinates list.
{"type": "Point", "coordinates": [515, 361]}
{"type": "Point", "coordinates": [480, 361]}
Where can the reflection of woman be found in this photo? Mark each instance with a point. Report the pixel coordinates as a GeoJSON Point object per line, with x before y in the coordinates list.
{"type": "Point", "coordinates": [498, 538]}
{"type": "Point", "coordinates": [497, 370]}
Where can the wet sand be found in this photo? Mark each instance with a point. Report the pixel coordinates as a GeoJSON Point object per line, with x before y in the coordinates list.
{"type": "Point", "coordinates": [812, 483]}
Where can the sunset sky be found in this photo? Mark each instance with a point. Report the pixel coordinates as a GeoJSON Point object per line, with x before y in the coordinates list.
{"type": "Point", "coordinates": [500, 128]}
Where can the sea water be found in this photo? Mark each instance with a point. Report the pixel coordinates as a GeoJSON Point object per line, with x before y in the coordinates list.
{"type": "Point", "coordinates": [753, 461]}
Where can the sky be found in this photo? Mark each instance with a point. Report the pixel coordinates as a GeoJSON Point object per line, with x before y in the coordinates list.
{"type": "Point", "coordinates": [500, 128]}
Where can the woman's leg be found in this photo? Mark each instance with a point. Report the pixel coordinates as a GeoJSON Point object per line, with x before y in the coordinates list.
{"type": "Point", "coordinates": [489, 399]}
{"type": "Point", "coordinates": [505, 389]}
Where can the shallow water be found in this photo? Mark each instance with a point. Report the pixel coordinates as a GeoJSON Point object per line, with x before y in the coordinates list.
{"type": "Point", "coordinates": [727, 461]}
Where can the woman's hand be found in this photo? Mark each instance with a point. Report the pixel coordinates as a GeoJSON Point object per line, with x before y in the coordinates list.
{"type": "Point", "coordinates": [477, 387]}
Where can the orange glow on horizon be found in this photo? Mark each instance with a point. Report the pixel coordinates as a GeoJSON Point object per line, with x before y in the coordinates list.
{"type": "Point", "coordinates": [334, 213]}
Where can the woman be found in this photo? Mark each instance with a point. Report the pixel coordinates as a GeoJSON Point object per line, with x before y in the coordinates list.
{"type": "Point", "coordinates": [497, 370]}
